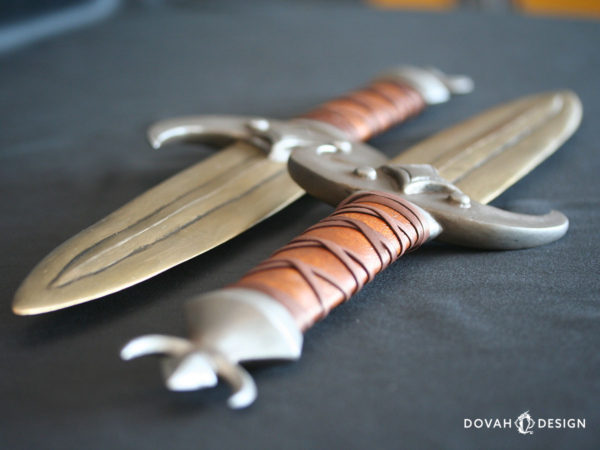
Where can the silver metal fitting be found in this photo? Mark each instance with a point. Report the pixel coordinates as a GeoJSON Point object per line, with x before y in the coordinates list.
{"type": "Point", "coordinates": [434, 85]}
{"type": "Point", "coordinates": [276, 137]}
{"type": "Point", "coordinates": [454, 217]}
{"type": "Point", "coordinates": [227, 327]}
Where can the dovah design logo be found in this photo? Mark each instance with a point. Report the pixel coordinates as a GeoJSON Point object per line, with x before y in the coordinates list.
{"type": "Point", "coordinates": [524, 424]}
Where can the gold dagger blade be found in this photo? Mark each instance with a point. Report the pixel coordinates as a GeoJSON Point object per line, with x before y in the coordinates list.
{"type": "Point", "coordinates": [487, 154]}
{"type": "Point", "coordinates": [215, 200]}
{"type": "Point", "coordinates": [186, 215]}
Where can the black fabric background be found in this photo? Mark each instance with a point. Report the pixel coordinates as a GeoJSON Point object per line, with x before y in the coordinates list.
{"type": "Point", "coordinates": [444, 334]}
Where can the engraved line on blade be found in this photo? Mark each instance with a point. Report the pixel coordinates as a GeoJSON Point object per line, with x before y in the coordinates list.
{"type": "Point", "coordinates": [76, 258]}
{"type": "Point", "coordinates": [161, 238]}
{"type": "Point", "coordinates": [531, 128]}
{"type": "Point", "coordinates": [445, 160]}
{"type": "Point", "coordinates": [495, 176]}
{"type": "Point", "coordinates": [458, 162]}
{"type": "Point", "coordinates": [182, 227]}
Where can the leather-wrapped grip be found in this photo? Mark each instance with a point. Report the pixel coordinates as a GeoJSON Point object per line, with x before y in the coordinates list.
{"type": "Point", "coordinates": [369, 111]}
{"type": "Point", "coordinates": [333, 259]}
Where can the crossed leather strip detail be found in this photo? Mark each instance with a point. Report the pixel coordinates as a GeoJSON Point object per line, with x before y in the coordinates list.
{"type": "Point", "coordinates": [333, 259]}
{"type": "Point", "coordinates": [371, 110]}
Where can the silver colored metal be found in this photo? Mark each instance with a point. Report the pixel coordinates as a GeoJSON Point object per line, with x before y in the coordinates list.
{"type": "Point", "coordinates": [461, 199]}
{"type": "Point", "coordinates": [226, 327]}
{"type": "Point", "coordinates": [469, 223]}
{"type": "Point", "coordinates": [365, 172]}
{"type": "Point", "coordinates": [332, 177]}
{"type": "Point", "coordinates": [344, 146]}
{"type": "Point", "coordinates": [207, 128]}
{"type": "Point", "coordinates": [434, 85]}
{"type": "Point", "coordinates": [276, 137]}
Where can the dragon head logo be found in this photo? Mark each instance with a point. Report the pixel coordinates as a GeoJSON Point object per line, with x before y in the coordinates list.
{"type": "Point", "coordinates": [524, 423]}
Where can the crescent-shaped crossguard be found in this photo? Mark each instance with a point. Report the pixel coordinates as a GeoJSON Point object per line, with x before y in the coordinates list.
{"type": "Point", "coordinates": [331, 175]}
{"type": "Point", "coordinates": [255, 319]}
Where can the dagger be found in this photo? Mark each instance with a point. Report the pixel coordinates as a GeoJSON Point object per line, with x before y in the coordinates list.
{"type": "Point", "coordinates": [438, 189]}
{"type": "Point", "coordinates": [215, 200]}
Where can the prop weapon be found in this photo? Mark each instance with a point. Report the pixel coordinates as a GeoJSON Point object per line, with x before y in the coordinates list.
{"type": "Point", "coordinates": [217, 199]}
{"type": "Point", "coordinates": [437, 189]}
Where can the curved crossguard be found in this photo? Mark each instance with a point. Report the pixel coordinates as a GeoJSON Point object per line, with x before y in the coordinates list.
{"type": "Point", "coordinates": [387, 210]}
{"type": "Point", "coordinates": [276, 137]}
{"type": "Point", "coordinates": [331, 175]}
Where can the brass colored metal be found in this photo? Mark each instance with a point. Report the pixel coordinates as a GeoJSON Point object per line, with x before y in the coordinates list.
{"type": "Point", "coordinates": [201, 204]}
{"type": "Point", "coordinates": [486, 155]}
{"type": "Point", "coordinates": [210, 202]}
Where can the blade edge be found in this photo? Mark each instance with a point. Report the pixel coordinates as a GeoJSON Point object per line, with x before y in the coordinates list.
{"type": "Point", "coordinates": [265, 197]}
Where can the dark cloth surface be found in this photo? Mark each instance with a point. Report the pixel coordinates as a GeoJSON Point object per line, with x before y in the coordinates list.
{"type": "Point", "coordinates": [443, 335]}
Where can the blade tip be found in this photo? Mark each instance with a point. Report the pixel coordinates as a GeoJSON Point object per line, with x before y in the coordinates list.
{"type": "Point", "coordinates": [25, 308]}
{"type": "Point", "coordinates": [30, 302]}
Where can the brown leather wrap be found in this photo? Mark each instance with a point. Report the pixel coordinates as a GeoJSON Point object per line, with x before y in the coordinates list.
{"type": "Point", "coordinates": [371, 110]}
{"type": "Point", "coordinates": [333, 259]}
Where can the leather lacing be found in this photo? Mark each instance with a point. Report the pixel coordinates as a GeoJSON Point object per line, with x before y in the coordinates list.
{"type": "Point", "coordinates": [371, 110]}
{"type": "Point", "coordinates": [401, 228]}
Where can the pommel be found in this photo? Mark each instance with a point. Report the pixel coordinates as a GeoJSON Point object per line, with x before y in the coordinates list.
{"type": "Point", "coordinates": [432, 84]}
{"type": "Point", "coordinates": [227, 327]}
{"type": "Point", "coordinates": [392, 98]}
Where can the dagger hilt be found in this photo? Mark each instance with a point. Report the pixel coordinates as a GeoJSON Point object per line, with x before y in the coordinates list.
{"type": "Point", "coordinates": [389, 100]}
{"type": "Point", "coordinates": [263, 315]}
